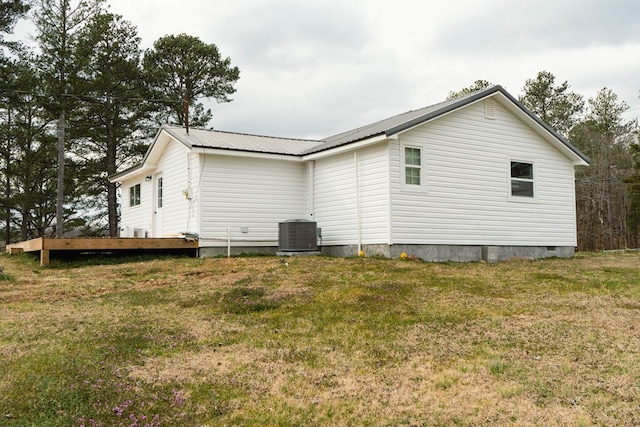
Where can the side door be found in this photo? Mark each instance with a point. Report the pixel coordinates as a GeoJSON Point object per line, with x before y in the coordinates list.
{"type": "Point", "coordinates": [158, 206]}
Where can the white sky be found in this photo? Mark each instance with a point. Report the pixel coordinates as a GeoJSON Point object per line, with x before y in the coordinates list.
{"type": "Point", "coordinates": [314, 68]}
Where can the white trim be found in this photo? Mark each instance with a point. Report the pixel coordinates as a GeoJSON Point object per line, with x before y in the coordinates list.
{"type": "Point", "coordinates": [422, 187]}
{"type": "Point", "coordinates": [201, 163]}
{"type": "Point", "coordinates": [249, 154]}
{"type": "Point", "coordinates": [389, 197]}
{"type": "Point", "coordinates": [147, 169]}
{"type": "Point", "coordinates": [309, 193]}
{"type": "Point", "coordinates": [346, 148]}
{"type": "Point", "coordinates": [539, 129]}
{"type": "Point", "coordinates": [157, 224]}
{"type": "Point", "coordinates": [522, 199]}
{"type": "Point", "coordinates": [358, 211]}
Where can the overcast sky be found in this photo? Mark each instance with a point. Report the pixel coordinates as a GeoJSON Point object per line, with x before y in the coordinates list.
{"type": "Point", "coordinates": [313, 68]}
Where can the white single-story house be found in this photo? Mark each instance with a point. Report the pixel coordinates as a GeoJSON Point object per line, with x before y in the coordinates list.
{"type": "Point", "coordinates": [476, 177]}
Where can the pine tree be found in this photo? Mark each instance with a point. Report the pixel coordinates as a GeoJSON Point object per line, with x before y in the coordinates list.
{"type": "Point", "coordinates": [59, 22]}
{"type": "Point", "coordinates": [554, 104]}
{"type": "Point", "coordinates": [114, 112]}
{"type": "Point", "coordinates": [182, 69]}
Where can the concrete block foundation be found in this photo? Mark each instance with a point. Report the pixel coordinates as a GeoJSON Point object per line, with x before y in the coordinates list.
{"type": "Point", "coordinates": [432, 253]}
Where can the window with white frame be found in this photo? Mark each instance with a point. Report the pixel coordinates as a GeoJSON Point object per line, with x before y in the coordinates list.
{"type": "Point", "coordinates": [160, 190]}
{"type": "Point", "coordinates": [522, 179]}
{"type": "Point", "coordinates": [134, 195]}
{"type": "Point", "coordinates": [412, 166]}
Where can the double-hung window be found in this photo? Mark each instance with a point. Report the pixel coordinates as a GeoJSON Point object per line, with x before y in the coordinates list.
{"type": "Point", "coordinates": [134, 195]}
{"type": "Point", "coordinates": [522, 180]}
{"type": "Point", "coordinates": [412, 161]}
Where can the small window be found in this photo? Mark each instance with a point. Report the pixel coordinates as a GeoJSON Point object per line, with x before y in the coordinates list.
{"type": "Point", "coordinates": [134, 195]}
{"type": "Point", "coordinates": [522, 179]}
{"type": "Point", "coordinates": [160, 192]}
{"type": "Point", "coordinates": [412, 165]}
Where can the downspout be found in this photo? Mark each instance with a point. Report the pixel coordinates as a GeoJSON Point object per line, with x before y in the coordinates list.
{"type": "Point", "coordinates": [187, 194]}
{"type": "Point", "coordinates": [310, 189]}
{"type": "Point", "coordinates": [358, 214]}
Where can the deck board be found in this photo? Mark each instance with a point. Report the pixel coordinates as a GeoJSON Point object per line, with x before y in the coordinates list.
{"type": "Point", "coordinates": [45, 245]}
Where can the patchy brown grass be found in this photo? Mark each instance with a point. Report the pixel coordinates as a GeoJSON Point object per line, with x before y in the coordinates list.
{"type": "Point", "coordinates": [321, 341]}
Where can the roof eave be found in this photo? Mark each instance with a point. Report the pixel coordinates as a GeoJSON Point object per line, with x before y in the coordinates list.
{"type": "Point", "coordinates": [578, 157]}
{"type": "Point", "coordinates": [144, 164]}
{"type": "Point", "coordinates": [446, 110]}
{"type": "Point", "coordinates": [201, 149]}
{"type": "Point", "coordinates": [127, 173]}
{"type": "Point", "coordinates": [346, 147]}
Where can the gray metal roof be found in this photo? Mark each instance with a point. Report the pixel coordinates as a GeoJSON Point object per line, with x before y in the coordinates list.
{"type": "Point", "coordinates": [382, 127]}
{"type": "Point", "coordinates": [216, 139]}
{"type": "Point", "coordinates": [408, 120]}
{"type": "Point", "coordinates": [290, 146]}
{"type": "Point", "coordinates": [240, 141]}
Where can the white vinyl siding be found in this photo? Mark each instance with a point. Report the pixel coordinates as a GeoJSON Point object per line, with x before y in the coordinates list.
{"type": "Point", "coordinates": [335, 200]}
{"type": "Point", "coordinates": [467, 161]}
{"type": "Point", "coordinates": [248, 198]}
{"type": "Point", "coordinates": [178, 211]}
{"type": "Point", "coordinates": [336, 203]}
{"type": "Point", "coordinates": [138, 216]}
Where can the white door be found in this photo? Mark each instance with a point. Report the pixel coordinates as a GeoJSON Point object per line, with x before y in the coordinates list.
{"type": "Point", "coordinates": [158, 201]}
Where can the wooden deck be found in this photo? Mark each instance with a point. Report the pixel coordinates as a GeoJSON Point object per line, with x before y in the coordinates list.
{"type": "Point", "coordinates": [47, 245]}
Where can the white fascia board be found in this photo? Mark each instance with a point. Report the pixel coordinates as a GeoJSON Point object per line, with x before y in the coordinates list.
{"type": "Point", "coordinates": [144, 170]}
{"type": "Point", "coordinates": [151, 157]}
{"type": "Point", "coordinates": [541, 130]}
{"type": "Point", "coordinates": [576, 160]}
{"type": "Point", "coordinates": [346, 148]}
{"type": "Point", "coordinates": [249, 154]}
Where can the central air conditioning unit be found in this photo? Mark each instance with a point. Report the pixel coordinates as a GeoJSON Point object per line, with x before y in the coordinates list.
{"type": "Point", "coordinates": [297, 235]}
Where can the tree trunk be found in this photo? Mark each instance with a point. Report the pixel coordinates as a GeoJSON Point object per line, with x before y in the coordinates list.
{"type": "Point", "coordinates": [113, 210]}
{"type": "Point", "coordinates": [60, 199]}
{"type": "Point", "coordinates": [112, 201]}
{"type": "Point", "coordinates": [24, 224]}
{"type": "Point", "coordinates": [7, 230]}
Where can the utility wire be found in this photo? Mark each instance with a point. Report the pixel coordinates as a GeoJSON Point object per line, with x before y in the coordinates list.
{"type": "Point", "coordinates": [85, 97]}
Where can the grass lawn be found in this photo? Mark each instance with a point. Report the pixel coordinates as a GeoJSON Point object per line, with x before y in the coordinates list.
{"type": "Point", "coordinates": [320, 342]}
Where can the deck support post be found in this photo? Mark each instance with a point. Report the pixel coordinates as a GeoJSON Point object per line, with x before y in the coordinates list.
{"type": "Point", "coordinates": [44, 257]}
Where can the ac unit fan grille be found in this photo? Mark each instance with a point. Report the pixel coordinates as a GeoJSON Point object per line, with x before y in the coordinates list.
{"type": "Point", "coordinates": [297, 236]}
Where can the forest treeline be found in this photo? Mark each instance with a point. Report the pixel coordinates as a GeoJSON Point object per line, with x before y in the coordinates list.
{"type": "Point", "coordinates": [82, 103]}
{"type": "Point", "coordinates": [85, 100]}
